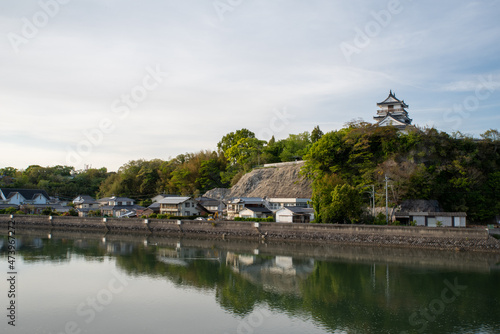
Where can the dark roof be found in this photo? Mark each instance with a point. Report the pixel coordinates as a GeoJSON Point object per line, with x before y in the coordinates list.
{"type": "Point", "coordinates": [258, 209]}
{"type": "Point", "coordinates": [115, 199]}
{"type": "Point", "coordinates": [85, 199]}
{"type": "Point", "coordinates": [205, 201]}
{"type": "Point", "coordinates": [121, 207]}
{"type": "Point", "coordinates": [391, 99]}
{"type": "Point", "coordinates": [299, 210]}
{"type": "Point", "coordinates": [28, 194]}
{"type": "Point", "coordinates": [432, 214]}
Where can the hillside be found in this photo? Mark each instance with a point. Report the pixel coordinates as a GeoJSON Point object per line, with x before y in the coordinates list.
{"type": "Point", "coordinates": [283, 181]}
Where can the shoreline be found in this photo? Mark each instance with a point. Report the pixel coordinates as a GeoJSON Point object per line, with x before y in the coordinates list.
{"type": "Point", "coordinates": [437, 238]}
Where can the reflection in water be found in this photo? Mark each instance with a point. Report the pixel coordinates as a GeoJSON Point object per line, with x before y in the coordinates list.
{"type": "Point", "coordinates": [357, 290]}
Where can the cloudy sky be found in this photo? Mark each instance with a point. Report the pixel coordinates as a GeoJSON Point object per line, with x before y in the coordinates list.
{"type": "Point", "coordinates": [102, 82]}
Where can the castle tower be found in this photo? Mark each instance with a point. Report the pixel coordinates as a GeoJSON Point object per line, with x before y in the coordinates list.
{"type": "Point", "coordinates": [392, 112]}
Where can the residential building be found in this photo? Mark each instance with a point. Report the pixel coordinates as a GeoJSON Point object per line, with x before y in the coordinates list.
{"type": "Point", "coordinates": [235, 205]}
{"type": "Point", "coordinates": [118, 206]}
{"type": "Point", "coordinates": [393, 112]}
{"type": "Point", "coordinates": [278, 203]}
{"type": "Point", "coordinates": [181, 206]}
{"type": "Point", "coordinates": [433, 219]}
{"type": "Point", "coordinates": [255, 212]}
{"type": "Point", "coordinates": [23, 196]}
{"type": "Point", "coordinates": [294, 214]}
{"type": "Point", "coordinates": [213, 205]}
{"type": "Point", "coordinates": [84, 204]}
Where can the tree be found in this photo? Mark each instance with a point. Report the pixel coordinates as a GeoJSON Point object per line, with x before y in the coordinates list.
{"type": "Point", "coordinates": [232, 138]}
{"type": "Point", "coordinates": [346, 205]}
{"type": "Point", "coordinates": [245, 152]}
{"type": "Point", "coordinates": [316, 134]}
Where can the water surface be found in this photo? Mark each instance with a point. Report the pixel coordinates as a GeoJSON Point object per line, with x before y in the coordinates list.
{"type": "Point", "coordinates": [91, 283]}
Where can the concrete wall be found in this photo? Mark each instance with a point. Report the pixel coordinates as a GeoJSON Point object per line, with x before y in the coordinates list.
{"type": "Point", "coordinates": [245, 229]}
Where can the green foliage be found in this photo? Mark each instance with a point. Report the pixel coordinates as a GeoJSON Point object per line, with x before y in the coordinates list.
{"type": "Point", "coordinates": [459, 172]}
{"type": "Point", "coordinates": [345, 205]}
{"type": "Point", "coordinates": [9, 211]}
{"type": "Point", "coordinates": [268, 219]}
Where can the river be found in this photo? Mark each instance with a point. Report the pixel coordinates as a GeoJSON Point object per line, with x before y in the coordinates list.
{"type": "Point", "coordinates": [97, 283]}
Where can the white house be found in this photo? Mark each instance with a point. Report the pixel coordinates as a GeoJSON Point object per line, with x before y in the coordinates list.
{"type": "Point", "coordinates": [255, 212]}
{"type": "Point", "coordinates": [118, 206]}
{"type": "Point", "coordinates": [278, 203]}
{"type": "Point", "coordinates": [84, 204]}
{"type": "Point", "coordinates": [235, 205]}
{"type": "Point", "coordinates": [23, 196]}
{"type": "Point", "coordinates": [294, 214]}
{"type": "Point", "coordinates": [433, 219]}
{"type": "Point", "coordinates": [180, 206]}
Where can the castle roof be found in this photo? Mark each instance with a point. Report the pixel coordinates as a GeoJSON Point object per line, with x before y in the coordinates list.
{"type": "Point", "coordinates": [392, 99]}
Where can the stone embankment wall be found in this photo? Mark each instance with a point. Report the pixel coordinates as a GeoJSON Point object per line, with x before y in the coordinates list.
{"type": "Point", "coordinates": [407, 236]}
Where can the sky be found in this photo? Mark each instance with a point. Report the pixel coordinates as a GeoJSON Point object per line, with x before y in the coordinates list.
{"type": "Point", "coordinates": [101, 82]}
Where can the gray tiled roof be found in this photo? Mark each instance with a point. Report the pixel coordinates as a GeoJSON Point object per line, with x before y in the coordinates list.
{"type": "Point", "coordinates": [28, 194]}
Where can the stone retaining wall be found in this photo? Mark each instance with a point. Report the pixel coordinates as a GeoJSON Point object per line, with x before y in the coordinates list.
{"type": "Point", "coordinates": [407, 236]}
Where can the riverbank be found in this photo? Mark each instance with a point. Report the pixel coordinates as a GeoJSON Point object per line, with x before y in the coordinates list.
{"type": "Point", "coordinates": [458, 239]}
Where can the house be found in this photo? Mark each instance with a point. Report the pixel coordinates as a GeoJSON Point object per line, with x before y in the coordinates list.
{"type": "Point", "coordinates": [213, 205]}
{"type": "Point", "coordinates": [23, 196]}
{"type": "Point", "coordinates": [278, 203]}
{"type": "Point", "coordinates": [84, 204]}
{"type": "Point", "coordinates": [255, 212]}
{"type": "Point", "coordinates": [294, 214]}
{"type": "Point", "coordinates": [393, 112]}
{"type": "Point", "coordinates": [159, 197]}
{"type": "Point", "coordinates": [118, 206]}
{"type": "Point", "coordinates": [235, 205]}
{"type": "Point", "coordinates": [155, 207]}
{"type": "Point", "coordinates": [181, 206]}
{"type": "Point", "coordinates": [433, 219]}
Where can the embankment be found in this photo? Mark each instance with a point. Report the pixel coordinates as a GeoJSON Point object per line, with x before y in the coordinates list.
{"type": "Point", "coordinates": [403, 236]}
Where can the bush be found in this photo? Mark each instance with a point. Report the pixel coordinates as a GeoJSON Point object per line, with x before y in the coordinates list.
{"type": "Point", "coordinates": [241, 219]}
{"type": "Point", "coordinates": [162, 216]}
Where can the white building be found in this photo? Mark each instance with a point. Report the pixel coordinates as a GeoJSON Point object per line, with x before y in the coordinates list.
{"type": "Point", "coordinates": [278, 203]}
{"type": "Point", "coordinates": [180, 206]}
{"type": "Point", "coordinates": [393, 112]}
{"type": "Point", "coordinates": [294, 214]}
{"type": "Point", "coordinates": [235, 205]}
{"type": "Point", "coordinates": [433, 219]}
{"type": "Point", "coordinates": [23, 196]}
{"type": "Point", "coordinates": [255, 212]}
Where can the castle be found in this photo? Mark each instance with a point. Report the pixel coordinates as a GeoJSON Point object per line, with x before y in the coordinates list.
{"type": "Point", "coordinates": [393, 112]}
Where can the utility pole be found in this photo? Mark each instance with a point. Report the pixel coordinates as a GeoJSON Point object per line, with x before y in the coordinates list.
{"type": "Point", "coordinates": [372, 195]}
{"type": "Point", "coordinates": [386, 201]}
{"type": "Point", "coordinates": [373, 198]}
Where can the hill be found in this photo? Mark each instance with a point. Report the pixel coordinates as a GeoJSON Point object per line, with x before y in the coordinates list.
{"type": "Point", "coordinates": [280, 180]}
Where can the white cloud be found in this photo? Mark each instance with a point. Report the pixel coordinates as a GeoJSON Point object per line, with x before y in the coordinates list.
{"type": "Point", "coordinates": [225, 75]}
